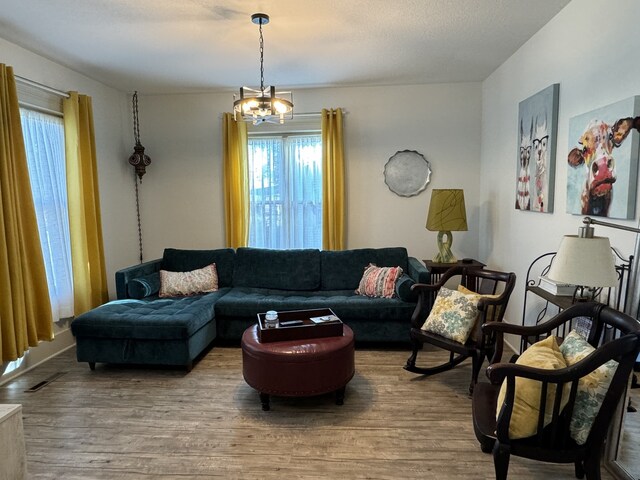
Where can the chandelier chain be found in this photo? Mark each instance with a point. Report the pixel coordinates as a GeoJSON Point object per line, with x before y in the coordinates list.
{"type": "Point", "coordinates": [136, 123]}
{"type": "Point", "coordinates": [261, 60]}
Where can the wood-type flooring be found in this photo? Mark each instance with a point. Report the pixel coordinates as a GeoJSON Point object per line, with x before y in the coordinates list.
{"type": "Point", "coordinates": [159, 423]}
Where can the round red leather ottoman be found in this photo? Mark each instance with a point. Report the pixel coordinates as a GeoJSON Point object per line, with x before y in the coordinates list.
{"type": "Point", "coordinates": [298, 368]}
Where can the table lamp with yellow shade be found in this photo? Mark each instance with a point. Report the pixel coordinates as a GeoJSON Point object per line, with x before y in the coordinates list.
{"type": "Point", "coordinates": [447, 213]}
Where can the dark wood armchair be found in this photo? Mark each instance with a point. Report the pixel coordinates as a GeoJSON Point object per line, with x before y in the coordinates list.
{"type": "Point", "coordinates": [497, 286]}
{"type": "Point", "coordinates": [614, 335]}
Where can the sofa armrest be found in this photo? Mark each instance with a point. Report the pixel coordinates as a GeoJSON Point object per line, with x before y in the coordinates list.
{"type": "Point", "coordinates": [124, 276]}
{"type": "Point", "coordinates": [417, 271]}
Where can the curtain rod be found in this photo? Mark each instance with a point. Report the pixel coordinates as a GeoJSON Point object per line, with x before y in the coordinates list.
{"type": "Point", "coordinates": [40, 109]}
{"type": "Point", "coordinates": [41, 86]}
{"type": "Point", "coordinates": [312, 114]}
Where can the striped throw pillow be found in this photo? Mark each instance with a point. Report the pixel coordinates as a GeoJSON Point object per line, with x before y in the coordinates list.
{"type": "Point", "coordinates": [379, 281]}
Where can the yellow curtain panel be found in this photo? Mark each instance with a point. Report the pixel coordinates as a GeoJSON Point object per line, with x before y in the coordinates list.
{"type": "Point", "coordinates": [236, 181]}
{"type": "Point", "coordinates": [25, 309]}
{"type": "Point", "coordinates": [333, 201]}
{"type": "Point", "coordinates": [85, 225]}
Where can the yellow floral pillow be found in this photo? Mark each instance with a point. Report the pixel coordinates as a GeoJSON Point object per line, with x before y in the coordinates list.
{"type": "Point", "coordinates": [544, 354]}
{"type": "Point", "coordinates": [476, 329]}
{"type": "Point", "coordinates": [453, 315]}
{"type": "Point", "coordinates": [592, 388]}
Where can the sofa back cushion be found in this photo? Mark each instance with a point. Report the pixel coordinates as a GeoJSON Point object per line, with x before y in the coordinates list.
{"type": "Point", "coordinates": [342, 270]}
{"type": "Point", "coordinates": [176, 260]}
{"type": "Point", "coordinates": [277, 269]}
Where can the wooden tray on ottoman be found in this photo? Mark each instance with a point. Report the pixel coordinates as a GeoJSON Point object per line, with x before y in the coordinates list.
{"type": "Point", "coordinates": [307, 329]}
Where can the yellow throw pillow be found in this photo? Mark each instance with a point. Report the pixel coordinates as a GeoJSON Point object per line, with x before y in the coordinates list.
{"type": "Point", "coordinates": [544, 354]}
{"type": "Point", "coordinates": [476, 330]}
{"type": "Point", "coordinates": [452, 315]}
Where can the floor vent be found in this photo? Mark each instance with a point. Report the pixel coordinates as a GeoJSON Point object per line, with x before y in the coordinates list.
{"type": "Point", "coordinates": [45, 382]}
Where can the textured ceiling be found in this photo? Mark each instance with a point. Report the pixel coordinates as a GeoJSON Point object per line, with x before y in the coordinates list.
{"type": "Point", "coordinates": [165, 46]}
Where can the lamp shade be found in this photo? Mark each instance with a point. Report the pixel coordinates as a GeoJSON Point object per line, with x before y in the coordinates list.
{"type": "Point", "coordinates": [447, 211]}
{"type": "Point", "coordinates": [586, 262]}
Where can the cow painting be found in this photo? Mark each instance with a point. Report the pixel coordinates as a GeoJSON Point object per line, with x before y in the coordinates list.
{"type": "Point", "coordinates": [595, 156]}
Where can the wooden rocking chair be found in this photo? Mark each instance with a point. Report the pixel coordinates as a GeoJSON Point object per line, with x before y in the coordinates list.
{"type": "Point", "coordinates": [496, 288]}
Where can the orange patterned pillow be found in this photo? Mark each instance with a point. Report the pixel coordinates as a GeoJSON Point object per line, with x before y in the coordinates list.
{"type": "Point", "coordinates": [379, 281]}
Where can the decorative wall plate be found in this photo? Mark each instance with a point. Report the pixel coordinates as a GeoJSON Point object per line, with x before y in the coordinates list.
{"type": "Point", "coordinates": [407, 173]}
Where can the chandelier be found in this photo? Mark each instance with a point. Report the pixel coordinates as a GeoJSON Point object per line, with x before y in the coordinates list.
{"type": "Point", "coordinates": [265, 104]}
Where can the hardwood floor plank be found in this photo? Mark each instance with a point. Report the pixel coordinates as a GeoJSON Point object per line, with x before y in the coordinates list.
{"type": "Point", "coordinates": [143, 423]}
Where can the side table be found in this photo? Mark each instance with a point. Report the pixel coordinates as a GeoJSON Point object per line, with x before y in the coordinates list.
{"type": "Point", "coordinates": [14, 461]}
{"type": "Point", "coordinates": [436, 270]}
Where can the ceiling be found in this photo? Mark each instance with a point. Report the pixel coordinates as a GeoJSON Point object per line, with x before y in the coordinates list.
{"type": "Point", "coordinates": [171, 46]}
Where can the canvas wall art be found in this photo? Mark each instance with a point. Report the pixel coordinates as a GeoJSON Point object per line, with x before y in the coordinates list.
{"type": "Point", "coordinates": [537, 127]}
{"type": "Point", "coordinates": [603, 161]}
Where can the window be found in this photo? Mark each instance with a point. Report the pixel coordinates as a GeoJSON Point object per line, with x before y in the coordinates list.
{"type": "Point", "coordinates": [285, 191]}
{"type": "Point", "coordinates": [44, 144]}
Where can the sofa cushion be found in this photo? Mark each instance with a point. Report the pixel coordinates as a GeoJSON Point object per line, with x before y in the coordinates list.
{"type": "Point", "coordinates": [342, 270]}
{"type": "Point", "coordinates": [246, 303]}
{"type": "Point", "coordinates": [144, 286]}
{"type": "Point", "coordinates": [161, 318]}
{"type": "Point", "coordinates": [277, 269]}
{"type": "Point", "coordinates": [176, 260]}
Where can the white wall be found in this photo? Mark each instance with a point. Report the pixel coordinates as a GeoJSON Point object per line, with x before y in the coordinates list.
{"type": "Point", "coordinates": [113, 140]}
{"type": "Point", "coordinates": [182, 191]}
{"type": "Point", "coordinates": [591, 50]}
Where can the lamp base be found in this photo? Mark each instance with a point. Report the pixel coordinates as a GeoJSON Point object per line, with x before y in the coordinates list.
{"type": "Point", "coordinates": [444, 248]}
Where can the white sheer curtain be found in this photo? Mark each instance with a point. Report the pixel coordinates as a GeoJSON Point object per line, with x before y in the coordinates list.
{"type": "Point", "coordinates": [44, 143]}
{"type": "Point", "coordinates": [285, 189]}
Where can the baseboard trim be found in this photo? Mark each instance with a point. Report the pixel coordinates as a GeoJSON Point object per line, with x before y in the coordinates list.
{"type": "Point", "coordinates": [63, 341]}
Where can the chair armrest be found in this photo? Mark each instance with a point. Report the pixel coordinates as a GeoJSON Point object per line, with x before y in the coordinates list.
{"type": "Point", "coordinates": [426, 296]}
{"type": "Point", "coordinates": [609, 351]}
{"type": "Point", "coordinates": [124, 276]}
{"type": "Point", "coordinates": [578, 310]}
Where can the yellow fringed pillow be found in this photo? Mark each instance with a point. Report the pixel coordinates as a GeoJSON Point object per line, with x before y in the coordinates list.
{"type": "Point", "coordinates": [544, 354]}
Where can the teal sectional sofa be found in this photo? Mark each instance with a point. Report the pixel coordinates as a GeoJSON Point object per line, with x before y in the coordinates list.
{"type": "Point", "coordinates": [141, 328]}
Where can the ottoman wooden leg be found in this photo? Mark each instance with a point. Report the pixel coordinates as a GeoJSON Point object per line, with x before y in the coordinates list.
{"type": "Point", "coordinates": [264, 399]}
{"type": "Point", "coordinates": [340, 396]}
{"type": "Point", "coordinates": [92, 365]}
